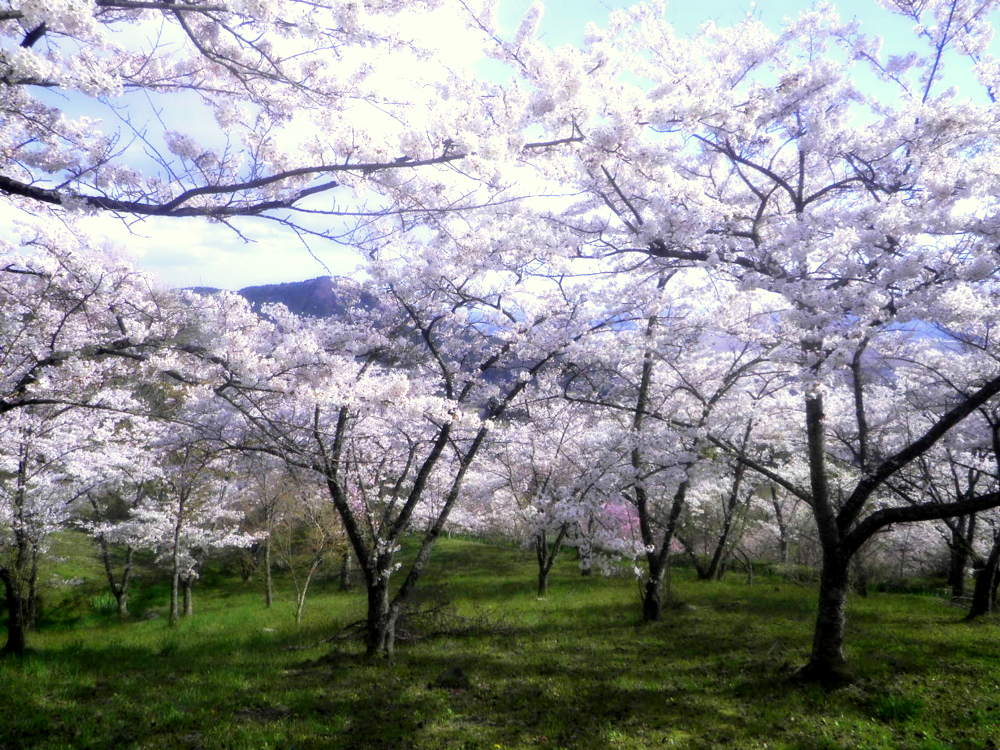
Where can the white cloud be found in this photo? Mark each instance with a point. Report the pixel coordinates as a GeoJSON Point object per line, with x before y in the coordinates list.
{"type": "Point", "coordinates": [195, 252]}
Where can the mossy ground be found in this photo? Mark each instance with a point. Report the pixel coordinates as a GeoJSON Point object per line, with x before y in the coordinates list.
{"type": "Point", "coordinates": [575, 670]}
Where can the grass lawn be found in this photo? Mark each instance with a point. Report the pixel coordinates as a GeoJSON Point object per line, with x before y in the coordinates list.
{"type": "Point", "coordinates": [575, 670]}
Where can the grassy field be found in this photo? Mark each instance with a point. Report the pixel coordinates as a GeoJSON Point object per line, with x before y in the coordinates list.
{"type": "Point", "coordinates": [575, 670]}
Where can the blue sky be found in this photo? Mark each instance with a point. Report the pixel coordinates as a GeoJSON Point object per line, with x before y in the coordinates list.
{"type": "Point", "coordinates": [564, 20]}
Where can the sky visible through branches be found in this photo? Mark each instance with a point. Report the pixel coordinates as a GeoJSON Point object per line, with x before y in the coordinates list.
{"type": "Point", "coordinates": [193, 252]}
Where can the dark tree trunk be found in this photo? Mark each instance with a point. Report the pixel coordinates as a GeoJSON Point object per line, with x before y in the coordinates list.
{"type": "Point", "coordinates": [987, 578]}
{"type": "Point", "coordinates": [16, 607]}
{"type": "Point", "coordinates": [827, 663]}
{"type": "Point", "coordinates": [962, 537]}
{"type": "Point", "coordinates": [380, 633]}
{"type": "Point", "coordinates": [859, 575]}
{"type": "Point", "coordinates": [652, 594]}
{"type": "Point", "coordinates": [543, 582]}
{"type": "Point", "coordinates": [717, 565]}
{"type": "Point", "coordinates": [546, 555]}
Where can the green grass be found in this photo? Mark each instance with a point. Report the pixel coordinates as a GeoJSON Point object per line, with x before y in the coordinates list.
{"type": "Point", "coordinates": [575, 670]}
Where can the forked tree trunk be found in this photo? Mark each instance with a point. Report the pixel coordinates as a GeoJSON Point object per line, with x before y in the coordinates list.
{"type": "Point", "coordinates": [119, 588]}
{"type": "Point", "coordinates": [546, 555]}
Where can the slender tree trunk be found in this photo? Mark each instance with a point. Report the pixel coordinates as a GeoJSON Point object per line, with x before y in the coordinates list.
{"type": "Point", "coordinates": [175, 586]}
{"type": "Point", "coordinates": [268, 582]}
{"type": "Point", "coordinates": [779, 518]}
{"type": "Point", "coordinates": [188, 582]}
{"type": "Point", "coordinates": [345, 576]}
{"type": "Point", "coordinates": [546, 556]}
{"type": "Point", "coordinates": [16, 607]}
{"type": "Point", "coordinates": [300, 598]}
{"type": "Point", "coordinates": [175, 557]}
{"type": "Point", "coordinates": [700, 570]}
{"type": "Point", "coordinates": [585, 552]}
{"type": "Point", "coordinates": [32, 600]}
{"type": "Point", "coordinates": [122, 590]}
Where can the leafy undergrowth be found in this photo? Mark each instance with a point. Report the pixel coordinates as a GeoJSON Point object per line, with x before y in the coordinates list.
{"type": "Point", "coordinates": [498, 669]}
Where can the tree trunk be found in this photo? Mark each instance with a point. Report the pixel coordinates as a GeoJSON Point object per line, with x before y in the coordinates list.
{"type": "Point", "coordinates": [779, 518]}
{"type": "Point", "coordinates": [16, 607]}
{"type": "Point", "coordinates": [119, 590]}
{"type": "Point", "coordinates": [585, 552]}
{"type": "Point", "coordinates": [380, 632]}
{"type": "Point", "coordinates": [345, 576]}
{"type": "Point", "coordinates": [188, 599]}
{"type": "Point", "coordinates": [962, 537]}
{"type": "Point", "coordinates": [652, 601]}
{"type": "Point", "coordinates": [32, 600]}
{"type": "Point", "coordinates": [175, 561]}
{"type": "Point", "coordinates": [987, 577]}
{"type": "Point", "coordinates": [300, 599]}
{"type": "Point", "coordinates": [859, 575]}
{"type": "Point", "coordinates": [543, 582]}
{"type": "Point", "coordinates": [652, 594]}
{"type": "Point", "coordinates": [827, 663]}
{"type": "Point", "coordinates": [268, 582]}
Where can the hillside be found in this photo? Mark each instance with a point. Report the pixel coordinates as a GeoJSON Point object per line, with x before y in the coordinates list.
{"type": "Point", "coordinates": [321, 297]}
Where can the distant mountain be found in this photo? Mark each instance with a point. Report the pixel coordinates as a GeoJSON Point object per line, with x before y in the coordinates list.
{"type": "Point", "coordinates": [322, 297]}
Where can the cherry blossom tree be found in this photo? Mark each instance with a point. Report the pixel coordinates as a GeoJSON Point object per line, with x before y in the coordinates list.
{"type": "Point", "coordinates": [317, 117]}
{"type": "Point", "coordinates": [307, 533]}
{"type": "Point", "coordinates": [128, 479]}
{"type": "Point", "coordinates": [50, 457]}
{"type": "Point", "coordinates": [666, 381]}
{"type": "Point", "coordinates": [391, 410]}
{"type": "Point", "coordinates": [555, 467]}
{"type": "Point", "coordinates": [759, 157]}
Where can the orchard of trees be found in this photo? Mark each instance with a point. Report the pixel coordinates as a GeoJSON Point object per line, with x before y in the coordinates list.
{"type": "Point", "coordinates": [725, 298]}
